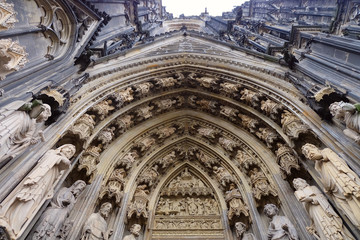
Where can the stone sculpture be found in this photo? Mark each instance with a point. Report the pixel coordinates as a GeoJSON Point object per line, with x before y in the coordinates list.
{"type": "Point", "coordinates": [286, 159]}
{"type": "Point", "coordinates": [268, 135]}
{"type": "Point", "coordinates": [113, 189]}
{"type": "Point", "coordinates": [249, 123]}
{"type": "Point", "coordinates": [106, 136]}
{"type": "Point", "coordinates": [271, 108]}
{"type": "Point", "coordinates": [325, 223]}
{"type": "Point", "coordinates": [164, 104]}
{"type": "Point", "coordinates": [13, 56]}
{"type": "Point", "coordinates": [53, 219]}
{"type": "Point", "coordinates": [90, 159]}
{"type": "Point", "coordinates": [144, 112]}
{"type": "Point", "coordinates": [138, 206]}
{"type": "Point", "coordinates": [135, 232]}
{"type": "Point", "coordinates": [223, 176]}
{"type": "Point", "coordinates": [95, 227]}
{"type": "Point", "coordinates": [143, 88]}
{"type": "Point", "coordinates": [280, 227]}
{"type": "Point", "coordinates": [229, 112]}
{"type": "Point", "coordinates": [230, 88]}
{"type": "Point", "coordinates": [260, 184]}
{"type": "Point", "coordinates": [102, 109]}
{"type": "Point", "coordinates": [149, 176]}
{"type": "Point", "coordinates": [18, 129]}
{"type": "Point", "coordinates": [250, 97]}
{"type": "Point", "coordinates": [245, 160]}
{"type": "Point", "coordinates": [240, 229]}
{"type": "Point", "coordinates": [123, 96]}
{"type": "Point", "coordinates": [207, 105]}
{"type": "Point", "coordinates": [84, 126]}
{"type": "Point", "coordinates": [292, 126]}
{"type": "Point", "coordinates": [18, 208]}
{"type": "Point", "coordinates": [167, 160]}
{"type": "Point", "coordinates": [236, 205]}
{"type": "Point", "coordinates": [144, 144]}
{"type": "Point", "coordinates": [350, 115]}
{"type": "Point", "coordinates": [339, 181]}
{"type": "Point", "coordinates": [124, 123]}
{"type": "Point", "coordinates": [228, 145]}
{"type": "Point", "coordinates": [127, 160]}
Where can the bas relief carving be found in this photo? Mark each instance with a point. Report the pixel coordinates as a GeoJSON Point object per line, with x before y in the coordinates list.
{"type": "Point", "coordinates": [339, 181]}
{"type": "Point", "coordinates": [18, 208]}
{"type": "Point", "coordinates": [19, 129]}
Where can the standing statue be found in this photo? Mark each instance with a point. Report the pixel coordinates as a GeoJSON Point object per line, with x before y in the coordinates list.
{"type": "Point", "coordinates": [135, 232]}
{"type": "Point", "coordinates": [325, 223]}
{"type": "Point", "coordinates": [339, 181]}
{"type": "Point", "coordinates": [280, 227]}
{"type": "Point", "coordinates": [18, 208]}
{"type": "Point", "coordinates": [18, 129]}
{"type": "Point", "coordinates": [52, 220]}
{"type": "Point", "coordinates": [95, 227]}
{"type": "Point", "coordinates": [350, 115]}
{"type": "Point", "coordinates": [240, 229]}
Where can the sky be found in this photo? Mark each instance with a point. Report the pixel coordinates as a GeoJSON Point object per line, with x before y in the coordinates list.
{"type": "Point", "coordinates": [195, 7]}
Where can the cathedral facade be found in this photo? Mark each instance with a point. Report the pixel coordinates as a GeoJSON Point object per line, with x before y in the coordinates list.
{"type": "Point", "coordinates": [118, 121]}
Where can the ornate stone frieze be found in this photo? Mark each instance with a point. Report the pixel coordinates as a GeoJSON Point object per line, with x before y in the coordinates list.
{"type": "Point", "coordinates": [228, 145]}
{"type": "Point", "coordinates": [123, 96]}
{"type": "Point", "coordinates": [143, 88]}
{"type": "Point", "coordinates": [229, 112]}
{"type": "Point", "coordinates": [272, 108]}
{"type": "Point", "coordinates": [203, 81]}
{"type": "Point", "coordinates": [12, 56]}
{"type": "Point", "coordinates": [187, 223]}
{"type": "Point", "coordinates": [268, 135]}
{"type": "Point", "coordinates": [144, 112]}
{"type": "Point", "coordinates": [286, 159]}
{"type": "Point", "coordinates": [149, 176]}
{"type": "Point", "coordinates": [205, 159]}
{"type": "Point", "coordinates": [123, 123]}
{"type": "Point", "coordinates": [251, 98]}
{"type": "Point", "coordinates": [230, 88]}
{"type": "Point", "coordinates": [7, 15]}
{"type": "Point", "coordinates": [90, 159]}
{"type": "Point", "coordinates": [245, 160]}
{"type": "Point", "coordinates": [84, 126]}
{"type": "Point", "coordinates": [167, 160]}
{"type": "Point", "coordinates": [207, 105]}
{"type": "Point", "coordinates": [106, 136]}
{"type": "Point", "coordinates": [292, 126]}
{"type": "Point", "coordinates": [249, 123]}
{"type": "Point", "coordinates": [139, 204]}
{"type": "Point", "coordinates": [102, 109]}
{"type": "Point", "coordinates": [261, 186]}
{"type": "Point", "coordinates": [223, 176]}
{"type": "Point", "coordinates": [164, 104]}
{"type": "Point", "coordinates": [144, 144]}
{"type": "Point", "coordinates": [168, 81]}
{"type": "Point", "coordinates": [206, 132]}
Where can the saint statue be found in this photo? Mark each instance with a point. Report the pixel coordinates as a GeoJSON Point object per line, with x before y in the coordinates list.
{"type": "Point", "coordinates": [18, 129]}
{"type": "Point", "coordinates": [135, 232]}
{"type": "Point", "coordinates": [95, 227]}
{"type": "Point", "coordinates": [280, 227]}
{"type": "Point", "coordinates": [52, 220]}
{"type": "Point", "coordinates": [240, 229]}
{"type": "Point", "coordinates": [18, 208]}
{"type": "Point", "coordinates": [325, 223]}
{"type": "Point", "coordinates": [339, 181]}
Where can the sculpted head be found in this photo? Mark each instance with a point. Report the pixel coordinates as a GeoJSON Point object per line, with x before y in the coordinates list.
{"type": "Point", "coordinates": [300, 183]}
{"type": "Point", "coordinates": [336, 110]}
{"type": "Point", "coordinates": [240, 229]}
{"type": "Point", "coordinates": [311, 152]}
{"type": "Point", "coordinates": [78, 187]}
{"type": "Point", "coordinates": [270, 210]}
{"type": "Point", "coordinates": [68, 150]}
{"type": "Point", "coordinates": [45, 114]}
{"type": "Point", "coordinates": [105, 209]}
{"type": "Point", "coordinates": [135, 229]}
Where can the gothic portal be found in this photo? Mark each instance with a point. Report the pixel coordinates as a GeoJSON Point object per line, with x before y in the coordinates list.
{"type": "Point", "coordinates": [120, 122]}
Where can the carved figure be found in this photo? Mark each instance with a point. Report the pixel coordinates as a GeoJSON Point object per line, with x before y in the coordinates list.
{"type": "Point", "coordinates": [260, 184]}
{"type": "Point", "coordinates": [123, 96]}
{"type": "Point", "coordinates": [102, 109]}
{"type": "Point", "coordinates": [95, 227]}
{"type": "Point", "coordinates": [164, 105]}
{"type": "Point", "coordinates": [124, 123]}
{"type": "Point", "coordinates": [236, 205]}
{"type": "Point", "coordinates": [7, 13]}
{"type": "Point", "coordinates": [52, 220]}
{"type": "Point", "coordinates": [135, 232]}
{"type": "Point", "coordinates": [18, 208]}
{"type": "Point", "coordinates": [350, 115]}
{"type": "Point", "coordinates": [84, 126]}
{"type": "Point", "coordinates": [272, 108]}
{"type": "Point", "coordinates": [127, 160]}
{"type": "Point", "coordinates": [115, 185]}
{"type": "Point", "coordinates": [12, 54]}
{"type": "Point", "coordinates": [145, 144]}
{"type": "Point", "coordinates": [339, 181]}
{"type": "Point", "coordinates": [229, 112]}
{"type": "Point", "coordinates": [250, 97]}
{"type": "Point", "coordinates": [106, 136]}
{"type": "Point", "coordinates": [149, 176]}
{"type": "Point", "coordinates": [280, 227]}
{"type": "Point", "coordinates": [138, 206]}
{"type": "Point", "coordinates": [292, 126]}
{"type": "Point", "coordinates": [227, 144]}
{"type": "Point", "coordinates": [18, 129]}
{"type": "Point", "coordinates": [207, 82]}
{"type": "Point", "coordinates": [286, 159]}
{"type": "Point", "coordinates": [167, 160]}
{"type": "Point", "coordinates": [208, 133]}
{"type": "Point", "coordinates": [230, 88]}
{"type": "Point", "coordinates": [143, 88]}
{"type": "Point", "coordinates": [245, 160]}
{"type": "Point", "coordinates": [165, 82]}
{"type": "Point", "coordinates": [268, 135]}
{"type": "Point", "coordinates": [89, 159]}
{"type": "Point", "coordinates": [207, 105]}
{"type": "Point", "coordinates": [240, 229]}
{"type": "Point", "coordinates": [249, 123]}
{"type": "Point", "coordinates": [165, 132]}
{"type": "Point", "coordinates": [144, 112]}
{"type": "Point", "coordinates": [223, 176]}
{"type": "Point", "coordinates": [205, 159]}
{"type": "Point", "coordinates": [325, 223]}
{"type": "Point", "coordinates": [192, 101]}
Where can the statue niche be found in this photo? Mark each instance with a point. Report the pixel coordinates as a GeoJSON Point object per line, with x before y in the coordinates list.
{"type": "Point", "coordinates": [187, 203]}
